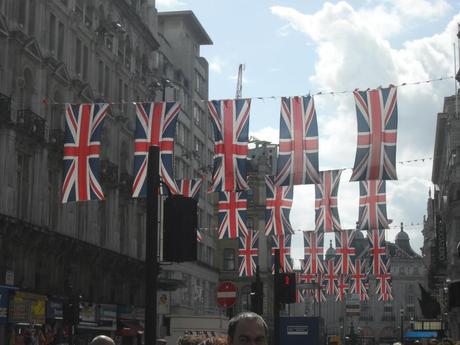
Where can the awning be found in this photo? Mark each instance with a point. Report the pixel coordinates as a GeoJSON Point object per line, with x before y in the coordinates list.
{"type": "Point", "coordinates": [130, 329]}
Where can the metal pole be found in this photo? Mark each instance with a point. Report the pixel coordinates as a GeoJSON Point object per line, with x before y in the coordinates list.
{"type": "Point", "coordinates": [402, 326]}
{"type": "Point", "coordinates": [276, 304]}
{"type": "Point", "coordinates": [151, 246]}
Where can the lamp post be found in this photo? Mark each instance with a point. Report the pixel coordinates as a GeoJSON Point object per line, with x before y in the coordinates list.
{"type": "Point", "coordinates": [401, 337]}
{"type": "Point", "coordinates": [151, 235]}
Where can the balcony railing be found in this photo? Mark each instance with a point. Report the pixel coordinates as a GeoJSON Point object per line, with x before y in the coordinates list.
{"type": "Point", "coordinates": [5, 109]}
{"type": "Point", "coordinates": [31, 124]}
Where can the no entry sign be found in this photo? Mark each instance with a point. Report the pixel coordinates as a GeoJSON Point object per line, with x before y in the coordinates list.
{"type": "Point", "coordinates": [226, 294]}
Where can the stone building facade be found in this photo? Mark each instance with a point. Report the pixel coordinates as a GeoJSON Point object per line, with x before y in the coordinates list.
{"type": "Point", "coordinates": [441, 235]}
{"type": "Point", "coordinates": [117, 51]}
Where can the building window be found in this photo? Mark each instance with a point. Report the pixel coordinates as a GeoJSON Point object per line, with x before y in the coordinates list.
{"type": "Point", "coordinates": [22, 13]}
{"type": "Point", "coordinates": [23, 181]}
{"type": "Point", "coordinates": [78, 57]}
{"type": "Point", "coordinates": [107, 82]}
{"type": "Point", "coordinates": [102, 224]}
{"type": "Point", "coordinates": [52, 33]}
{"type": "Point", "coordinates": [32, 13]}
{"type": "Point", "coordinates": [60, 50]}
{"type": "Point", "coordinates": [85, 62]}
{"type": "Point", "coordinates": [100, 77]}
{"type": "Point", "coordinates": [229, 259]}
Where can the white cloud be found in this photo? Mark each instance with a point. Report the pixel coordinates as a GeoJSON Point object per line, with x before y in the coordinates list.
{"type": "Point", "coordinates": [164, 5]}
{"type": "Point", "coordinates": [266, 134]}
{"type": "Point", "coordinates": [354, 50]}
{"type": "Point", "coordinates": [421, 8]}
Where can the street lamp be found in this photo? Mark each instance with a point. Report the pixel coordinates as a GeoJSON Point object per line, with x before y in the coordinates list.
{"type": "Point", "coordinates": [401, 312]}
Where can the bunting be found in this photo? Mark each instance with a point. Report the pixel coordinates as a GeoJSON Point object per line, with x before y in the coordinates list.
{"type": "Point", "coordinates": [344, 250]}
{"type": "Point", "coordinates": [372, 205]}
{"type": "Point", "coordinates": [233, 216]}
{"type": "Point", "coordinates": [300, 292]}
{"type": "Point", "coordinates": [199, 235]}
{"type": "Point", "coordinates": [330, 277]}
{"type": "Point", "coordinates": [377, 117]}
{"type": "Point", "coordinates": [81, 152]}
{"type": "Point", "coordinates": [283, 243]}
{"type": "Point", "coordinates": [155, 126]}
{"type": "Point", "coordinates": [383, 279]}
{"type": "Point", "coordinates": [377, 251]}
{"type": "Point", "coordinates": [231, 126]}
{"type": "Point", "coordinates": [277, 208]}
{"type": "Point", "coordinates": [313, 252]}
{"type": "Point", "coordinates": [359, 279]}
{"type": "Point", "coordinates": [189, 187]}
{"type": "Point", "coordinates": [326, 212]}
{"type": "Point", "coordinates": [298, 144]}
{"type": "Point", "coordinates": [341, 287]}
{"type": "Point", "coordinates": [248, 253]}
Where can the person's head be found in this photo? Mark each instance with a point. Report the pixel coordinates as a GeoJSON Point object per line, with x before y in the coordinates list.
{"type": "Point", "coordinates": [102, 340]}
{"type": "Point", "coordinates": [219, 340]}
{"type": "Point", "coordinates": [190, 339]}
{"type": "Point", "coordinates": [247, 328]}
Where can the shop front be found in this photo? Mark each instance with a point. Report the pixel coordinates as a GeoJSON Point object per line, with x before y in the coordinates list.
{"type": "Point", "coordinates": [27, 318]}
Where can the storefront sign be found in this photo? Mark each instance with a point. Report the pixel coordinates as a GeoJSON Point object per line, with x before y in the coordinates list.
{"type": "Point", "coordinates": [88, 314]}
{"type": "Point", "coordinates": [163, 302]}
{"type": "Point", "coordinates": [127, 312]}
{"type": "Point", "coordinates": [108, 316]}
{"type": "Point", "coordinates": [28, 308]}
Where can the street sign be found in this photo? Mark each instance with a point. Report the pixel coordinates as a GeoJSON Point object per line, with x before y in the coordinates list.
{"type": "Point", "coordinates": [226, 294]}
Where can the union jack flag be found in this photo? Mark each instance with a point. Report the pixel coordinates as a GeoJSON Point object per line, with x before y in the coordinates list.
{"type": "Point", "coordinates": [189, 187]}
{"type": "Point", "coordinates": [313, 252]}
{"type": "Point", "coordinates": [330, 276]}
{"type": "Point", "coordinates": [377, 250]}
{"type": "Point", "coordinates": [278, 207]}
{"type": "Point", "coordinates": [383, 288]}
{"type": "Point", "coordinates": [344, 250]}
{"type": "Point", "coordinates": [359, 279]}
{"type": "Point", "coordinates": [377, 117]}
{"type": "Point", "coordinates": [326, 212]}
{"type": "Point", "coordinates": [155, 126]}
{"type": "Point", "coordinates": [298, 145]}
{"type": "Point", "coordinates": [300, 292]}
{"type": "Point", "coordinates": [248, 253]}
{"type": "Point", "coordinates": [199, 235]}
{"type": "Point", "coordinates": [341, 287]}
{"type": "Point", "coordinates": [231, 127]}
{"type": "Point", "coordinates": [81, 152]}
{"type": "Point", "coordinates": [372, 205]}
{"type": "Point", "coordinates": [312, 279]}
{"type": "Point", "coordinates": [233, 215]}
{"type": "Point", "coordinates": [283, 243]}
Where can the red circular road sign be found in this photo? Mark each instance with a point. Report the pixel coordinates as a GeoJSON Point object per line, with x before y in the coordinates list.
{"type": "Point", "coordinates": [226, 294]}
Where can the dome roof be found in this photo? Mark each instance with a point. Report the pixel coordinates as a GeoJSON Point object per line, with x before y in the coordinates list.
{"type": "Point", "coordinates": [330, 253]}
{"type": "Point", "coordinates": [402, 235]}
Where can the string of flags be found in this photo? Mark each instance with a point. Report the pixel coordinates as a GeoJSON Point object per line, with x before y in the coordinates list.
{"type": "Point", "coordinates": [297, 164]}
{"type": "Point", "coordinates": [47, 102]}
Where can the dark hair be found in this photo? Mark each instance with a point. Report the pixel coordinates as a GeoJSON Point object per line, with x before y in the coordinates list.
{"type": "Point", "coordinates": [248, 315]}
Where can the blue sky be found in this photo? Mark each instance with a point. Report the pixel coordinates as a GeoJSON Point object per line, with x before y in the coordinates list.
{"type": "Point", "coordinates": [295, 47]}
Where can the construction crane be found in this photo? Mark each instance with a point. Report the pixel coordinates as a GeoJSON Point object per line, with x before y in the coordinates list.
{"type": "Point", "coordinates": [239, 83]}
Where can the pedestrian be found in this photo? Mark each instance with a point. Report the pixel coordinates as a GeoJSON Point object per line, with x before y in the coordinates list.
{"type": "Point", "coordinates": [190, 339]}
{"type": "Point", "coordinates": [102, 340]}
{"type": "Point", "coordinates": [247, 328]}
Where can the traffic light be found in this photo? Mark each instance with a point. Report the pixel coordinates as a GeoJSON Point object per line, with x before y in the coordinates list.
{"type": "Point", "coordinates": [257, 297]}
{"type": "Point", "coordinates": [286, 287]}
